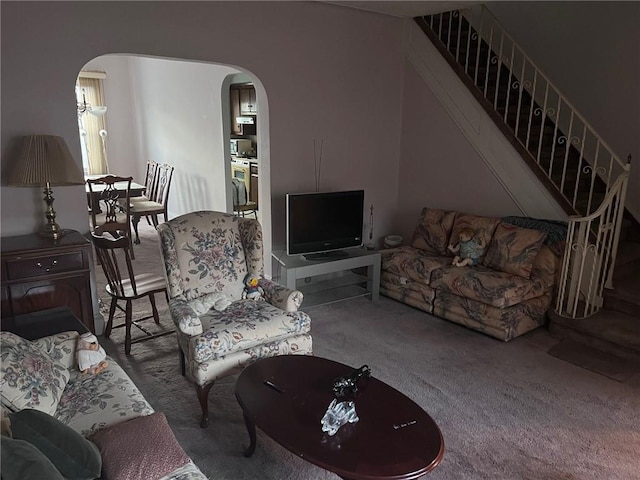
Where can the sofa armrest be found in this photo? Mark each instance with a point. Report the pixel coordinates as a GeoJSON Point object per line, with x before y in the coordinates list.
{"type": "Point", "coordinates": [281, 296]}
{"type": "Point", "coordinates": [61, 347]}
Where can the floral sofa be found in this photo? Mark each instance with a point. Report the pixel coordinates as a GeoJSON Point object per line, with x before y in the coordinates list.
{"type": "Point", "coordinates": [42, 375]}
{"type": "Point", "coordinates": [505, 295]}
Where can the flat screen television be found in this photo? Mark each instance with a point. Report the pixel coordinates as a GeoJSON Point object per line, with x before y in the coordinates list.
{"type": "Point", "coordinates": [321, 224]}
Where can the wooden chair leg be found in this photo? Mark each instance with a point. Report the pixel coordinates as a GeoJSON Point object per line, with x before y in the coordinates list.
{"type": "Point", "coordinates": [203, 398]}
{"type": "Point", "coordinates": [128, 320]}
{"type": "Point", "coordinates": [112, 311]}
{"type": "Point", "coordinates": [135, 220]}
{"type": "Point", "coordinates": [156, 317]}
{"type": "Point", "coordinates": [183, 370]}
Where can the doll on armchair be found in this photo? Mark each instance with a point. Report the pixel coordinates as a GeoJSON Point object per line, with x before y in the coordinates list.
{"type": "Point", "coordinates": [468, 250]}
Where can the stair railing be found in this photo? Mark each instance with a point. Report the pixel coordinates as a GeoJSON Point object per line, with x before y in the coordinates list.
{"type": "Point", "coordinates": [590, 254]}
{"type": "Point", "coordinates": [491, 52]}
{"type": "Point", "coordinates": [578, 159]}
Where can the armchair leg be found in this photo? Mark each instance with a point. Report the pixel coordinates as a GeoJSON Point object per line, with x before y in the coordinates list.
{"type": "Point", "coordinates": [203, 398]}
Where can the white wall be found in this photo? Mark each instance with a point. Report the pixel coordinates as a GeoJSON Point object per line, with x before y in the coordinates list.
{"type": "Point", "coordinates": [329, 73]}
{"type": "Point", "coordinates": [123, 148]}
{"type": "Point", "coordinates": [180, 123]}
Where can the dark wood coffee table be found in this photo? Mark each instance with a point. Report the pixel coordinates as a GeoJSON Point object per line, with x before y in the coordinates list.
{"type": "Point", "coordinates": [287, 396]}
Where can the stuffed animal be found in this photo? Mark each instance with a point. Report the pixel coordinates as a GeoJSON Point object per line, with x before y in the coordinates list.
{"type": "Point", "coordinates": [90, 355]}
{"type": "Point", "coordinates": [468, 250]}
{"type": "Point", "coordinates": [252, 290]}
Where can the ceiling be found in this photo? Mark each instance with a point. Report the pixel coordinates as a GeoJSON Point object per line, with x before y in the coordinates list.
{"type": "Point", "coordinates": [406, 8]}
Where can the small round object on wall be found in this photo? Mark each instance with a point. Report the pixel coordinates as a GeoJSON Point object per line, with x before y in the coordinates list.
{"type": "Point", "coordinates": [392, 241]}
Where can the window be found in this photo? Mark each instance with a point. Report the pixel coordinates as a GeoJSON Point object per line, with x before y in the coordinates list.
{"type": "Point", "coordinates": [92, 122]}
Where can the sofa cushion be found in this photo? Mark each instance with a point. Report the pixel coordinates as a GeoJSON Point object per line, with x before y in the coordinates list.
{"type": "Point", "coordinates": [90, 402]}
{"type": "Point", "coordinates": [433, 232]}
{"type": "Point", "coordinates": [502, 323]}
{"type": "Point", "coordinates": [74, 456]}
{"type": "Point", "coordinates": [21, 460]}
{"type": "Point", "coordinates": [482, 226]}
{"type": "Point", "coordinates": [412, 263]}
{"type": "Point", "coordinates": [60, 347]}
{"type": "Point", "coordinates": [513, 249]}
{"type": "Point", "coordinates": [484, 285]}
{"type": "Point", "coordinates": [31, 378]}
{"type": "Point", "coordinates": [244, 324]}
{"type": "Point", "coordinates": [144, 448]}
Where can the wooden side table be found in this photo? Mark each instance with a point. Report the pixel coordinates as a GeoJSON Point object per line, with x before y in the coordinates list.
{"type": "Point", "coordinates": [40, 273]}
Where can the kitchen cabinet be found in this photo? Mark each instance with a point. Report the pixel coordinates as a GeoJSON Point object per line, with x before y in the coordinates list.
{"type": "Point", "coordinates": [236, 128]}
{"type": "Point", "coordinates": [39, 273]}
{"type": "Point", "coordinates": [248, 104]}
{"type": "Point", "coordinates": [253, 182]}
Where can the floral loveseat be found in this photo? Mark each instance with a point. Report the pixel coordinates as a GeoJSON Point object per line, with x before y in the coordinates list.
{"type": "Point", "coordinates": [43, 375]}
{"type": "Point", "coordinates": [505, 295]}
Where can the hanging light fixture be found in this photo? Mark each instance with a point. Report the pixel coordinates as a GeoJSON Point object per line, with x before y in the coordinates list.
{"type": "Point", "coordinates": [83, 107]}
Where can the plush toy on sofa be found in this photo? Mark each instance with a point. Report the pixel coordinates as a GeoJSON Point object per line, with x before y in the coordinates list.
{"type": "Point", "coordinates": [90, 355]}
{"type": "Point", "coordinates": [468, 250]}
{"type": "Point", "coordinates": [252, 290]}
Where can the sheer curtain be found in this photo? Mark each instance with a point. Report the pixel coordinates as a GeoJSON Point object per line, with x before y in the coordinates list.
{"type": "Point", "coordinates": [93, 133]}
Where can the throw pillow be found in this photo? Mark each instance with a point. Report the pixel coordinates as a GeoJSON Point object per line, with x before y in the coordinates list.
{"type": "Point", "coordinates": [75, 457]}
{"type": "Point", "coordinates": [22, 461]}
{"type": "Point", "coordinates": [433, 232]}
{"type": "Point", "coordinates": [31, 378]}
{"type": "Point", "coordinates": [483, 228]}
{"type": "Point", "coordinates": [143, 448]}
{"type": "Point", "coordinates": [514, 249]}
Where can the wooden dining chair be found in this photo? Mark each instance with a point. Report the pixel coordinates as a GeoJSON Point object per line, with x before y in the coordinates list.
{"type": "Point", "coordinates": [124, 285]}
{"type": "Point", "coordinates": [158, 202]}
{"type": "Point", "coordinates": [109, 205]}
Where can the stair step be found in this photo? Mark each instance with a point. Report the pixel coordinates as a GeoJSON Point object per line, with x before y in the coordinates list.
{"type": "Point", "coordinates": [613, 332]}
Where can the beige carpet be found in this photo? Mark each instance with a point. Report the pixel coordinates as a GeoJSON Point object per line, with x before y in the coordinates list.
{"type": "Point", "coordinates": [506, 410]}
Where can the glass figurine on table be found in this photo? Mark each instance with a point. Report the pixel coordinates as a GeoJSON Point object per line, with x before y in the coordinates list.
{"type": "Point", "coordinates": [342, 408]}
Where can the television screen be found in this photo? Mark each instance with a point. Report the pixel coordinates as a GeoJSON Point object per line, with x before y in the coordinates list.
{"type": "Point", "coordinates": [324, 222]}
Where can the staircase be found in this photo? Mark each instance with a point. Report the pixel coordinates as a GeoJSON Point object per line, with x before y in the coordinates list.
{"type": "Point", "coordinates": [599, 295]}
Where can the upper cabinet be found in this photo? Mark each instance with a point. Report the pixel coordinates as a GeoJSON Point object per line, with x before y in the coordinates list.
{"type": "Point", "coordinates": [236, 128]}
{"type": "Point", "coordinates": [243, 102]}
{"type": "Point", "coordinates": [248, 104]}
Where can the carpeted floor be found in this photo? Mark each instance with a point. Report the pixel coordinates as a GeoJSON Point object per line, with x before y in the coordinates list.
{"type": "Point", "coordinates": [506, 410]}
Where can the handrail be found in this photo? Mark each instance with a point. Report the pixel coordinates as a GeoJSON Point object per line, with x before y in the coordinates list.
{"type": "Point", "coordinates": [559, 140]}
{"type": "Point", "coordinates": [556, 138]}
{"type": "Point", "coordinates": [590, 254]}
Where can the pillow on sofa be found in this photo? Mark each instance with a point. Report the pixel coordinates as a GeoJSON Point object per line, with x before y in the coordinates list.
{"type": "Point", "coordinates": [514, 249]}
{"type": "Point", "coordinates": [22, 461]}
{"type": "Point", "coordinates": [143, 448]}
{"type": "Point", "coordinates": [433, 231]}
{"type": "Point", "coordinates": [482, 226]}
{"type": "Point", "coordinates": [74, 456]}
{"type": "Point", "coordinates": [31, 377]}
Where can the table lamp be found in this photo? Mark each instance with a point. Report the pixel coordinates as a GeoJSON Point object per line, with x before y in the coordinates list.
{"type": "Point", "coordinates": [45, 161]}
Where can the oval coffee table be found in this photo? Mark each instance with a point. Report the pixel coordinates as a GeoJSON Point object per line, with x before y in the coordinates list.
{"type": "Point", "coordinates": [286, 397]}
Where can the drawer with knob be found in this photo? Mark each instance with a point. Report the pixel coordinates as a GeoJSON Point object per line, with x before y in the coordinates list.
{"type": "Point", "coordinates": [48, 265]}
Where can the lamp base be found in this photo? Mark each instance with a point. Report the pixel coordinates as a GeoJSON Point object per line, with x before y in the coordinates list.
{"type": "Point", "coordinates": [52, 231]}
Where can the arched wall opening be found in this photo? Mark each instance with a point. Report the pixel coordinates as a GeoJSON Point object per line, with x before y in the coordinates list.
{"type": "Point", "coordinates": [178, 112]}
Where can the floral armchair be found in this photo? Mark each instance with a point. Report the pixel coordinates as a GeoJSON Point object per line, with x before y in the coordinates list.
{"type": "Point", "coordinates": [207, 255]}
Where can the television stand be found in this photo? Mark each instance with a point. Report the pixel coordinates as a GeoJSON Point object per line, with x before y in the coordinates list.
{"type": "Point", "coordinates": [297, 272]}
{"type": "Point", "coordinates": [326, 256]}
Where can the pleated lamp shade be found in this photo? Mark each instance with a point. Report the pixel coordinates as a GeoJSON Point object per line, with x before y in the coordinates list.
{"type": "Point", "coordinates": [45, 159]}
